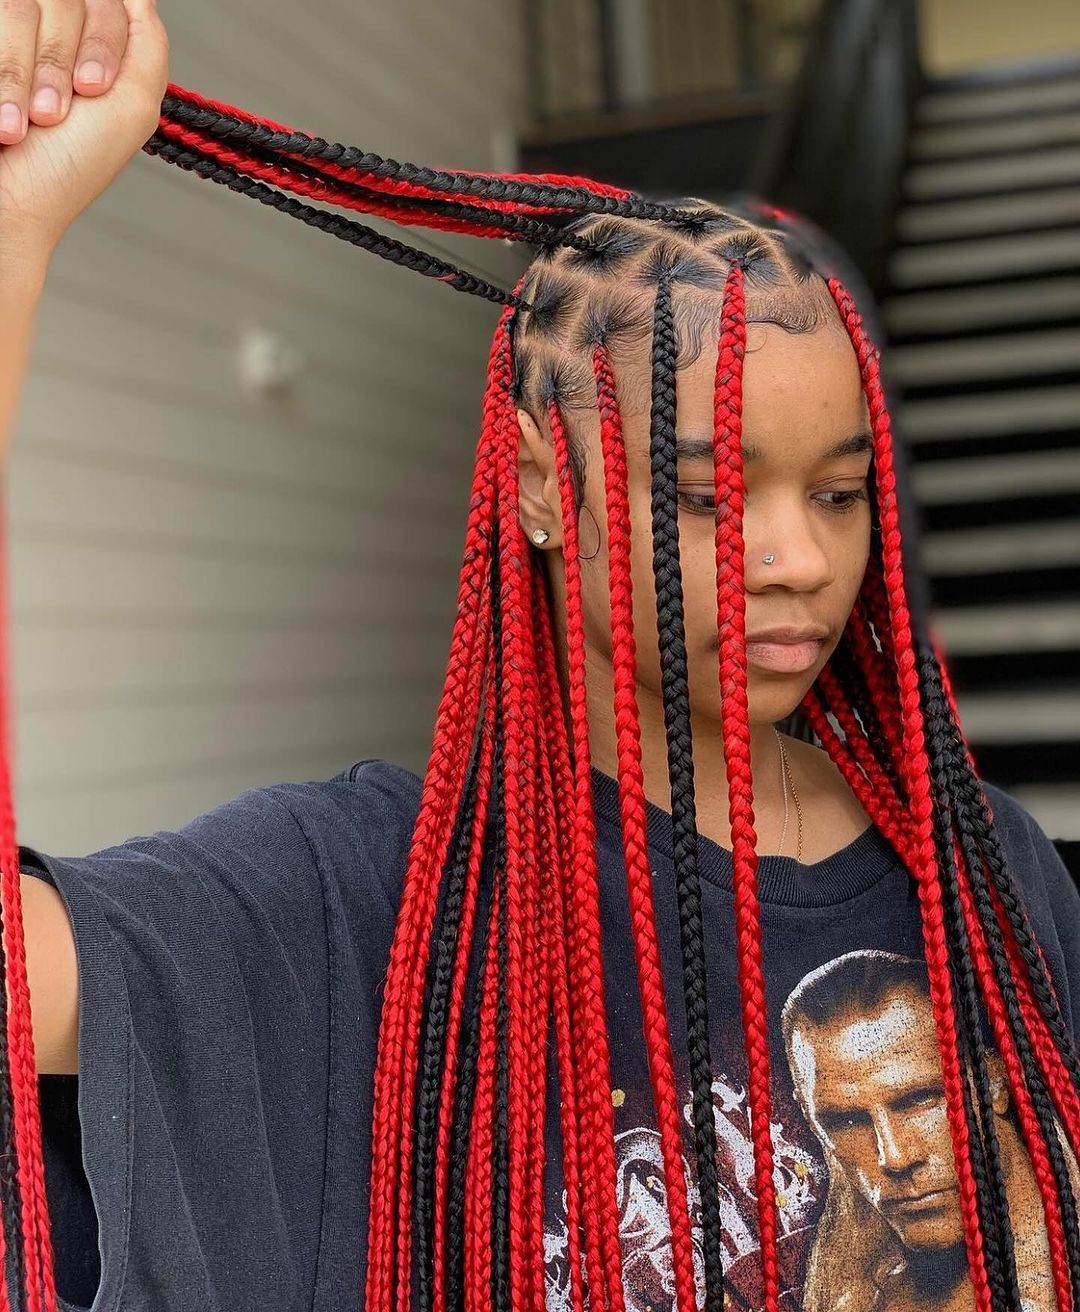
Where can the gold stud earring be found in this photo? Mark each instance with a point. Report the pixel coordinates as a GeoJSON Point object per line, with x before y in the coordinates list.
{"type": "Point", "coordinates": [540, 536]}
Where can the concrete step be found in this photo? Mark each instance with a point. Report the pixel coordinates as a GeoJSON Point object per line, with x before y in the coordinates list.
{"type": "Point", "coordinates": [1055, 807]}
{"type": "Point", "coordinates": [1012, 547]}
{"type": "Point", "coordinates": [954, 312]}
{"type": "Point", "coordinates": [985, 259]}
{"type": "Point", "coordinates": [966, 360]}
{"type": "Point", "coordinates": [955, 482]}
{"type": "Point", "coordinates": [1023, 411]}
{"type": "Point", "coordinates": [1016, 171]}
{"type": "Point", "coordinates": [1020, 715]}
{"type": "Point", "coordinates": [1050, 97]}
{"type": "Point", "coordinates": [992, 136]}
{"type": "Point", "coordinates": [982, 215]}
{"type": "Point", "coordinates": [1006, 628]}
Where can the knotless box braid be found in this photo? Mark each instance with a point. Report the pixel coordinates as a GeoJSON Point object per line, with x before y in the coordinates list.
{"type": "Point", "coordinates": [498, 939]}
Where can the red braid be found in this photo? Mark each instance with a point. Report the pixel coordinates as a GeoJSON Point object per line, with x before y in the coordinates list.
{"type": "Point", "coordinates": [557, 782]}
{"type": "Point", "coordinates": [455, 1010]}
{"type": "Point", "coordinates": [505, 758]}
{"type": "Point", "coordinates": [731, 621]}
{"type": "Point", "coordinates": [635, 844]}
{"type": "Point", "coordinates": [442, 788]}
{"type": "Point", "coordinates": [586, 981]}
{"type": "Point", "coordinates": [26, 1112]}
{"type": "Point", "coordinates": [916, 768]}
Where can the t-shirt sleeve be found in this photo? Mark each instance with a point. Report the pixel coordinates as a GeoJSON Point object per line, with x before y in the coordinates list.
{"type": "Point", "coordinates": [195, 1129]}
{"type": "Point", "coordinates": [1050, 894]}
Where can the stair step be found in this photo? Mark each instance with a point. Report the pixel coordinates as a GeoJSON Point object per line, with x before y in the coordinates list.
{"type": "Point", "coordinates": [969, 493]}
{"type": "Point", "coordinates": [1023, 765]}
{"type": "Point", "coordinates": [1032, 762]}
{"type": "Point", "coordinates": [1022, 413]}
{"type": "Point", "coordinates": [1058, 583]}
{"type": "Point", "coordinates": [965, 360]}
{"type": "Point", "coordinates": [1018, 716]}
{"type": "Point", "coordinates": [986, 214]}
{"type": "Point", "coordinates": [997, 671]}
{"type": "Point", "coordinates": [985, 259]}
{"type": "Point", "coordinates": [1016, 171]}
{"type": "Point", "coordinates": [1049, 507]}
{"type": "Point", "coordinates": [1052, 96]}
{"type": "Point", "coordinates": [972, 309]}
{"type": "Point", "coordinates": [949, 483]}
{"type": "Point", "coordinates": [1024, 626]}
{"type": "Point", "coordinates": [1018, 546]}
{"type": "Point", "coordinates": [1054, 806]}
{"type": "Point", "coordinates": [1011, 645]}
{"type": "Point", "coordinates": [948, 141]}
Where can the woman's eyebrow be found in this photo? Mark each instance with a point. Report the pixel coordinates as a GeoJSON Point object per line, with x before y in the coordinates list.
{"type": "Point", "coordinates": [700, 448]}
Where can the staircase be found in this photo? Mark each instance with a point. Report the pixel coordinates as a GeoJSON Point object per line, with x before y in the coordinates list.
{"type": "Point", "coordinates": [982, 321]}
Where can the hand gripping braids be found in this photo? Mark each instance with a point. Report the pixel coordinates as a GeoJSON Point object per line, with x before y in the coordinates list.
{"type": "Point", "coordinates": [498, 936]}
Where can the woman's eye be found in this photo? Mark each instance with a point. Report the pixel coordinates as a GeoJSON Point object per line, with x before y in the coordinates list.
{"type": "Point", "coordinates": [698, 502]}
{"type": "Point", "coordinates": [702, 504]}
{"type": "Point", "coordinates": [845, 501]}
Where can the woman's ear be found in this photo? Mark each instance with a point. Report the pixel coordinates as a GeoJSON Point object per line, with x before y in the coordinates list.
{"type": "Point", "coordinates": [539, 503]}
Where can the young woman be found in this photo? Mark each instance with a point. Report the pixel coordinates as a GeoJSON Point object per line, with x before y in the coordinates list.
{"type": "Point", "coordinates": [634, 1000]}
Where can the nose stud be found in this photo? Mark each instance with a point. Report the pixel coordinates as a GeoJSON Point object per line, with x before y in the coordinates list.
{"type": "Point", "coordinates": [768, 559]}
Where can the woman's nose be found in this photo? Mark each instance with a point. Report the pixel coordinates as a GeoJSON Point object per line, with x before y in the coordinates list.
{"type": "Point", "coordinates": [799, 558]}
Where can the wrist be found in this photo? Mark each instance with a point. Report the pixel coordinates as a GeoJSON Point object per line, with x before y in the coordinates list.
{"type": "Point", "coordinates": [24, 259]}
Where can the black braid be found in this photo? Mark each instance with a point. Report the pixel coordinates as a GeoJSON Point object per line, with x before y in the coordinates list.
{"type": "Point", "coordinates": [484, 186]}
{"type": "Point", "coordinates": [500, 1198]}
{"type": "Point", "coordinates": [465, 1091]}
{"type": "Point", "coordinates": [991, 1195]}
{"type": "Point", "coordinates": [849, 676]}
{"type": "Point", "coordinates": [10, 1197]}
{"type": "Point", "coordinates": [434, 1029]}
{"type": "Point", "coordinates": [357, 234]}
{"type": "Point", "coordinates": [978, 830]}
{"type": "Point", "coordinates": [518, 227]}
{"type": "Point", "coordinates": [676, 699]}
{"type": "Point", "coordinates": [500, 1158]}
{"type": "Point", "coordinates": [464, 1096]}
{"type": "Point", "coordinates": [944, 724]}
{"type": "Point", "coordinates": [977, 827]}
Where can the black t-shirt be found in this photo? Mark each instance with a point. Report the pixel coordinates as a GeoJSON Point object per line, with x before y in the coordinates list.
{"type": "Point", "coordinates": [213, 1153]}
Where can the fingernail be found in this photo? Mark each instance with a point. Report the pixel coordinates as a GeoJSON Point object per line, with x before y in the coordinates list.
{"type": "Point", "coordinates": [47, 101]}
{"type": "Point", "coordinates": [10, 119]}
{"type": "Point", "coordinates": [92, 73]}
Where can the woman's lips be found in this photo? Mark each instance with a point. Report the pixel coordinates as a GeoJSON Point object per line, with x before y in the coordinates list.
{"type": "Point", "coordinates": [786, 657]}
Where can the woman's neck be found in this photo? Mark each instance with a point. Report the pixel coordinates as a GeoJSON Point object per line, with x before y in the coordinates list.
{"type": "Point", "coordinates": [710, 769]}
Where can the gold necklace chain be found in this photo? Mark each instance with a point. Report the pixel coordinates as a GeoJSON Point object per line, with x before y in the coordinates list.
{"type": "Point", "coordinates": [795, 795]}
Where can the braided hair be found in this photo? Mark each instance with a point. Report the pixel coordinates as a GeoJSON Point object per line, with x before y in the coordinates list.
{"type": "Point", "coordinates": [498, 936]}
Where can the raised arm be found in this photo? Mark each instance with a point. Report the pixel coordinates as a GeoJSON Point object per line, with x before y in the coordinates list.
{"type": "Point", "coordinates": [52, 165]}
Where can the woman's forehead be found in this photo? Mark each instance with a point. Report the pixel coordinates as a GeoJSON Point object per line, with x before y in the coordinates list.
{"type": "Point", "coordinates": [801, 386]}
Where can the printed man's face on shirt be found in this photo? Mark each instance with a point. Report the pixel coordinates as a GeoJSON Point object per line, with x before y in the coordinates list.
{"type": "Point", "coordinates": [872, 1089]}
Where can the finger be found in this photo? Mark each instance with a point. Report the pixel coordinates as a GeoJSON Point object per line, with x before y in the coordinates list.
{"type": "Point", "coordinates": [18, 44]}
{"type": "Point", "coordinates": [59, 30]}
{"type": "Point", "coordinates": [146, 60]}
{"type": "Point", "coordinates": [101, 50]}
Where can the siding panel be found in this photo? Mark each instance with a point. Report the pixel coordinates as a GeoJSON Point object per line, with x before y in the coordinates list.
{"type": "Point", "coordinates": [212, 589]}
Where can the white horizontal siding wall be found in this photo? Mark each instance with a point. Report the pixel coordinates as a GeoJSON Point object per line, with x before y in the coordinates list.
{"type": "Point", "coordinates": [212, 590]}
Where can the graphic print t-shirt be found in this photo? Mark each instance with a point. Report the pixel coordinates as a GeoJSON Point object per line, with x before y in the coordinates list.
{"type": "Point", "coordinates": [213, 1152]}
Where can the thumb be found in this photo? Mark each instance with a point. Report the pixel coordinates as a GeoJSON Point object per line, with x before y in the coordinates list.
{"type": "Point", "coordinates": [146, 59]}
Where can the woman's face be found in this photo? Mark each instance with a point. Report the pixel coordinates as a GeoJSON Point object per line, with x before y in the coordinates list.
{"type": "Point", "coordinates": [805, 504]}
